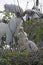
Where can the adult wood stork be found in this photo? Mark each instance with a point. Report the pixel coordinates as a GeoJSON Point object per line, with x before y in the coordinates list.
{"type": "Point", "coordinates": [13, 26]}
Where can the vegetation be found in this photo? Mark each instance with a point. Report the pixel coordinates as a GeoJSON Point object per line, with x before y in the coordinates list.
{"type": "Point", "coordinates": [7, 15]}
{"type": "Point", "coordinates": [19, 58]}
{"type": "Point", "coordinates": [34, 30]}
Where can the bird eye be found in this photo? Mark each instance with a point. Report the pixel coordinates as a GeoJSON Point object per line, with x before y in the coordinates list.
{"type": "Point", "coordinates": [29, 46]}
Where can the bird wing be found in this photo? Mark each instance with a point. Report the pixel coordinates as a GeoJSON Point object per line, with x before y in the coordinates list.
{"type": "Point", "coordinates": [13, 8]}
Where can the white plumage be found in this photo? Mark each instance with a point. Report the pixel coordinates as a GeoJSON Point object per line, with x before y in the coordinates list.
{"type": "Point", "coordinates": [15, 24]}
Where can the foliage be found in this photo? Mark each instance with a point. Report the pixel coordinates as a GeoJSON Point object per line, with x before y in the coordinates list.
{"type": "Point", "coordinates": [34, 30]}
{"type": "Point", "coordinates": [7, 15]}
{"type": "Point", "coordinates": [17, 58]}
{"type": "Point", "coordinates": [20, 58]}
{"type": "Point", "coordinates": [11, 58]}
